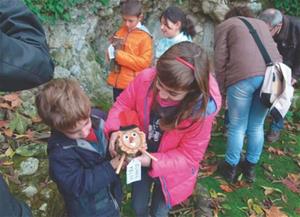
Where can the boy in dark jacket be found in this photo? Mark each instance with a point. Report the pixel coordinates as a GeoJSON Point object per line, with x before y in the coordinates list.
{"type": "Point", "coordinates": [77, 151]}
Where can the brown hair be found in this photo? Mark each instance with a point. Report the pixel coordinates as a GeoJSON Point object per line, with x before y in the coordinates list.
{"type": "Point", "coordinates": [131, 8]}
{"type": "Point", "coordinates": [178, 76]}
{"type": "Point", "coordinates": [61, 103]}
{"type": "Point", "coordinates": [243, 11]}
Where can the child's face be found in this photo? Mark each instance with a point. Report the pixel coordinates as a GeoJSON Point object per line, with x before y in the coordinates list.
{"type": "Point", "coordinates": [169, 29]}
{"type": "Point", "coordinates": [167, 93]}
{"type": "Point", "coordinates": [131, 21]}
{"type": "Point", "coordinates": [81, 130]}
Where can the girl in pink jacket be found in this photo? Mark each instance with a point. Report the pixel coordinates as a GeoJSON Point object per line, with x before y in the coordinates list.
{"type": "Point", "coordinates": [176, 103]}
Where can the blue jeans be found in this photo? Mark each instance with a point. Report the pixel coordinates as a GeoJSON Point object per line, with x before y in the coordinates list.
{"type": "Point", "coordinates": [141, 196]}
{"type": "Point", "coordinates": [277, 126]}
{"type": "Point", "coordinates": [246, 117]}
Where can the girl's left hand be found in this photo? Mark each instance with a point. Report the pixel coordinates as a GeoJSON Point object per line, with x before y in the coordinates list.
{"type": "Point", "coordinates": [144, 159]}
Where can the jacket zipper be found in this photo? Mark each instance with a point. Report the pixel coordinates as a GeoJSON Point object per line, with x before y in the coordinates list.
{"type": "Point", "coordinates": [114, 200]}
{"type": "Point", "coordinates": [166, 192]}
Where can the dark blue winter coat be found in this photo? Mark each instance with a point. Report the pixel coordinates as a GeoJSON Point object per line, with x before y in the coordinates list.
{"type": "Point", "coordinates": [84, 175]}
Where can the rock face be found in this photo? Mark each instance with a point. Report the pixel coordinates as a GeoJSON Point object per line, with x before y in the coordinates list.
{"type": "Point", "coordinates": [78, 47]}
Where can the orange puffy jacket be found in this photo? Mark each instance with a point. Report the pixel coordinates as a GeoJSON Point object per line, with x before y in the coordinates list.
{"type": "Point", "coordinates": [136, 55]}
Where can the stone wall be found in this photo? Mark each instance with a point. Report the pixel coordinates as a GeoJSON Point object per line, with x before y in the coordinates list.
{"type": "Point", "coordinates": [78, 47]}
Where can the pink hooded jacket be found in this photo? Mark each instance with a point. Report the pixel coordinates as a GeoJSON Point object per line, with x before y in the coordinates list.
{"type": "Point", "coordinates": [180, 150]}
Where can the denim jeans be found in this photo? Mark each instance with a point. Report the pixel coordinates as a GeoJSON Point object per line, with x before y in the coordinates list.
{"type": "Point", "coordinates": [277, 126]}
{"type": "Point", "coordinates": [141, 196]}
{"type": "Point", "coordinates": [246, 117]}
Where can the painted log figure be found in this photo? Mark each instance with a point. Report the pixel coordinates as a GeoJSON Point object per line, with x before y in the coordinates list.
{"type": "Point", "coordinates": [131, 140]}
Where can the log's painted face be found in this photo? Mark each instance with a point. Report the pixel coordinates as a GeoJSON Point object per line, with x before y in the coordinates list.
{"type": "Point", "coordinates": [132, 138]}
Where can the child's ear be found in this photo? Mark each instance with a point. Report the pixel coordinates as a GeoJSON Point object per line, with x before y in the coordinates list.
{"type": "Point", "coordinates": [178, 24]}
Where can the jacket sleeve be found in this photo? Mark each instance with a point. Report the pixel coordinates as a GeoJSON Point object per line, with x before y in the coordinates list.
{"type": "Point", "coordinates": [137, 62]}
{"type": "Point", "coordinates": [9, 205]}
{"type": "Point", "coordinates": [189, 152]}
{"type": "Point", "coordinates": [221, 56]}
{"type": "Point", "coordinates": [71, 177]}
{"type": "Point", "coordinates": [125, 101]}
{"type": "Point", "coordinates": [24, 57]}
{"type": "Point", "coordinates": [296, 65]}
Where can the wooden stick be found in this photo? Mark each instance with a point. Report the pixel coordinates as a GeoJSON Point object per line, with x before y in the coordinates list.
{"type": "Point", "coordinates": [121, 163]}
{"type": "Point", "coordinates": [149, 155]}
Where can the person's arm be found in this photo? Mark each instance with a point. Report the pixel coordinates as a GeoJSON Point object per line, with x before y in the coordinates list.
{"type": "Point", "coordinates": [25, 61]}
{"type": "Point", "coordinates": [10, 206]}
{"type": "Point", "coordinates": [137, 62]}
{"type": "Point", "coordinates": [189, 152]}
{"type": "Point", "coordinates": [72, 177]}
{"type": "Point", "coordinates": [296, 66]}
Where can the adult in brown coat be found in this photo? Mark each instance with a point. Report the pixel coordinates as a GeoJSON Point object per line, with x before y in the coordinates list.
{"type": "Point", "coordinates": [240, 70]}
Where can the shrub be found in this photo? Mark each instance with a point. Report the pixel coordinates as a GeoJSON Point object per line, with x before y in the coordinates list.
{"type": "Point", "coordinates": [51, 10]}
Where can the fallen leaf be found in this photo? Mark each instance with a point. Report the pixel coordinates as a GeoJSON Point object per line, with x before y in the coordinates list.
{"type": "Point", "coordinates": [13, 99]}
{"type": "Point", "coordinates": [5, 105]}
{"type": "Point", "coordinates": [270, 190]}
{"type": "Point", "coordinates": [207, 170]}
{"type": "Point", "coordinates": [276, 151]}
{"type": "Point", "coordinates": [267, 167]}
{"type": "Point", "coordinates": [3, 123]}
{"type": "Point", "coordinates": [268, 203]}
{"type": "Point", "coordinates": [294, 178]}
{"type": "Point", "coordinates": [258, 209]}
{"type": "Point", "coordinates": [274, 212]}
{"type": "Point", "coordinates": [241, 184]}
{"type": "Point", "coordinates": [291, 185]}
{"type": "Point", "coordinates": [19, 123]}
{"type": "Point", "coordinates": [36, 119]}
{"type": "Point", "coordinates": [8, 132]}
{"type": "Point", "coordinates": [284, 198]}
{"type": "Point", "coordinates": [7, 163]}
{"type": "Point", "coordinates": [9, 152]}
{"type": "Point", "coordinates": [226, 188]}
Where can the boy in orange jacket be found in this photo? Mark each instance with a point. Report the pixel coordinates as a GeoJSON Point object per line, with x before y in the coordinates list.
{"type": "Point", "coordinates": [131, 48]}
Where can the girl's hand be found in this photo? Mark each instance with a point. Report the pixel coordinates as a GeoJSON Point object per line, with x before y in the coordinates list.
{"type": "Point", "coordinates": [144, 159]}
{"type": "Point", "coordinates": [112, 144]}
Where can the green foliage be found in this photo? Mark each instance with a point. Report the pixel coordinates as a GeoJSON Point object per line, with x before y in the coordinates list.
{"type": "Point", "coordinates": [290, 7]}
{"type": "Point", "coordinates": [52, 10]}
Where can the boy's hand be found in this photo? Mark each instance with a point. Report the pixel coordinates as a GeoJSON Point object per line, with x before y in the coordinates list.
{"type": "Point", "coordinates": [112, 144]}
{"type": "Point", "coordinates": [144, 159]}
{"type": "Point", "coordinates": [115, 161]}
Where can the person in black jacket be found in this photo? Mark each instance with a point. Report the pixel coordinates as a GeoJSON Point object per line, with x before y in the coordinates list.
{"type": "Point", "coordinates": [77, 151]}
{"type": "Point", "coordinates": [24, 58]}
{"type": "Point", "coordinates": [286, 33]}
{"type": "Point", "coordinates": [24, 63]}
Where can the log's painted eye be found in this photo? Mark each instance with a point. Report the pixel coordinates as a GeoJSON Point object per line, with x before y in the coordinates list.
{"type": "Point", "coordinates": [133, 134]}
{"type": "Point", "coordinates": [125, 137]}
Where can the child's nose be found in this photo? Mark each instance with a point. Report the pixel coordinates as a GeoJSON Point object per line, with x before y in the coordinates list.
{"type": "Point", "coordinates": [163, 94]}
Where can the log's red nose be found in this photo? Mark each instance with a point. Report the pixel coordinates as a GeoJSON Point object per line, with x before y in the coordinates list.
{"type": "Point", "coordinates": [130, 139]}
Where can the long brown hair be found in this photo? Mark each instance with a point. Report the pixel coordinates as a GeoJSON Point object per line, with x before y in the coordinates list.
{"type": "Point", "coordinates": [179, 77]}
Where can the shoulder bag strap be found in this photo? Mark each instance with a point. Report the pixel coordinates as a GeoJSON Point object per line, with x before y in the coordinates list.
{"type": "Point", "coordinates": [259, 43]}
